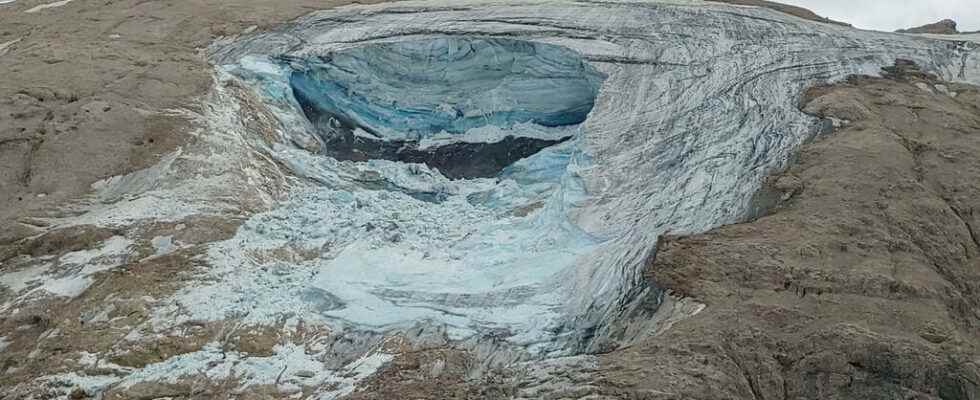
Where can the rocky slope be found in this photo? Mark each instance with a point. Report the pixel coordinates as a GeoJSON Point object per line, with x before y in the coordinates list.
{"type": "Point", "coordinates": [81, 102]}
{"type": "Point", "coordinates": [861, 282]}
{"type": "Point", "coordinates": [253, 262]}
{"type": "Point", "coordinates": [944, 27]}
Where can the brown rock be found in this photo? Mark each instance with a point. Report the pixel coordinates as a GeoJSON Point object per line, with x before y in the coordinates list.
{"type": "Point", "coordinates": [944, 27]}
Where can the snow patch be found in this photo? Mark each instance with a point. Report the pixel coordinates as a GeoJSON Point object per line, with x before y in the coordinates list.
{"type": "Point", "coordinates": [70, 275]}
{"type": "Point", "coordinates": [21, 279]}
{"type": "Point", "coordinates": [290, 366]}
{"type": "Point", "coordinates": [47, 6]}
{"type": "Point", "coordinates": [163, 245]}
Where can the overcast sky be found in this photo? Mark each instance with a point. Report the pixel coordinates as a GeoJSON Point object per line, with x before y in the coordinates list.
{"type": "Point", "coordinates": [889, 15]}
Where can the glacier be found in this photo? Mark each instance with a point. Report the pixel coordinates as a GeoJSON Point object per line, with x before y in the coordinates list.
{"type": "Point", "coordinates": [637, 119]}
{"type": "Point", "coordinates": [489, 175]}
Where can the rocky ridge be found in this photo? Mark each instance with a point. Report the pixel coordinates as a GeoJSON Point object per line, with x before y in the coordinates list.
{"type": "Point", "coordinates": [944, 27]}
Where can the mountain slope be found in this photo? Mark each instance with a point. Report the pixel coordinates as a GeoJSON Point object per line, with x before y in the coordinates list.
{"type": "Point", "coordinates": [862, 282]}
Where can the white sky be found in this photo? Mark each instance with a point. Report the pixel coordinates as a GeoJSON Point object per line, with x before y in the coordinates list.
{"type": "Point", "coordinates": [889, 15]}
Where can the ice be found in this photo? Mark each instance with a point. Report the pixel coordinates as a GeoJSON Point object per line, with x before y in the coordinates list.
{"type": "Point", "coordinates": [70, 275]}
{"type": "Point", "coordinates": [456, 84]}
{"type": "Point", "coordinates": [696, 106]}
{"type": "Point", "coordinates": [697, 103]}
{"type": "Point", "coordinates": [163, 245]}
{"type": "Point", "coordinates": [216, 364]}
{"type": "Point", "coordinates": [47, 6]}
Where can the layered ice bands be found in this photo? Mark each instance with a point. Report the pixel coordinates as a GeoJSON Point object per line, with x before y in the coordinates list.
{"type": "Point", "coordinates": [381, 101]}
{"type": "Point", "coordinates": [678, 112]}
{"type": "Point", "coordinates": [417, 88]}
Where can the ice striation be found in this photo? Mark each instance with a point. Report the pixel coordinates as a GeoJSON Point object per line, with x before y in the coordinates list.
{"type": "Point", "coordinates": [457, 84]}
{"type": "Point", "coordinates": [673, 114]}
{"type": "Point", "coordinates": [358, 139]}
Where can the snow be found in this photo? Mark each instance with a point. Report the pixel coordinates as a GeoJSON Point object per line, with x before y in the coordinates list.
{"type": "Point", "coordinates": [163, 245]}
{"type": "Point", "coordinates": [71, 380]}
{"type": "Point", "coordinates": [21, 279]}
{"type": "Point", "coordinates": [47, 6]}
{"type": "Point", "coordinates": [70, 275]}
{"type": "Point", "coordinates": [215, 364]}
{"type": "Point", "coordinates": [972, 37]}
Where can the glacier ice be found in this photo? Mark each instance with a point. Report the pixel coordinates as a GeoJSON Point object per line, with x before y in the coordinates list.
{"type": "Point", "coordinates": [677, 113]}
{"type": "Point", "coordinates": [418, 88]}
{"type": "Point", "coordinates": [461, 89]}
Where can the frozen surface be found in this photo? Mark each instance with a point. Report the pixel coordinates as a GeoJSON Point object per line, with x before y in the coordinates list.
{"type": "Point", "coordinates": [47, 6]}
{"type": "Point", "coordinates": [690, 106]}
{"type": "Point", "coordinates": [291, 367]}
{"type": "Point", "coordinates": [969, 37]}
{"type": "Point", "coordinates": [698, 104]}
{"type": "Point", "coordinates": [67, 276]}
{"type": "Point", "coordinates": [456, 84]}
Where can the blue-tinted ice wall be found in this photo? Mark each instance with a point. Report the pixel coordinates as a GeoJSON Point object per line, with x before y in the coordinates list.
{"type": "Point", "coordinates": [417, 88]}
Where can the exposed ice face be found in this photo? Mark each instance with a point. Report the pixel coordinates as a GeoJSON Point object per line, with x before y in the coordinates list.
{"type": "Point", "coordinates": [417, 88]}
{"type": "Point", "coordinates": [466, 106]}
{"type": "Point", "coordinates": [698, 105]}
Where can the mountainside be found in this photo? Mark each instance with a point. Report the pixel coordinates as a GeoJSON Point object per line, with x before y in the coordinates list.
{"type": "Point", "coordinates": [944, 27]}
{"type": "Point", "coordinates": [862, 279]}
{"type": "Point", "coordinates": [523, 199]}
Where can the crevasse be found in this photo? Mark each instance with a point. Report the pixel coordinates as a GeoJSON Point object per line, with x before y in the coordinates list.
{"type": "Point", "coordinates": [637, 119]}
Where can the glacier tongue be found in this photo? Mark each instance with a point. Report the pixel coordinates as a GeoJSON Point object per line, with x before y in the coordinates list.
{"type": "Point", "coordinates": [697, 106]}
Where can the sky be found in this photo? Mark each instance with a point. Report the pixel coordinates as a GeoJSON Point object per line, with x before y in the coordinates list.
{"type": "Point", "coordinates": [889, 15]}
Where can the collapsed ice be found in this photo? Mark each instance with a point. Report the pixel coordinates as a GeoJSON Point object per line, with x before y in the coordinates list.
{"type": "Point", "coordinates": [697, 106]}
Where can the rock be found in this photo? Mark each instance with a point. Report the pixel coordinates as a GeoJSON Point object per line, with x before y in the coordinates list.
{"type": "Point", "coordinates": [149, 391]}
{"type": "Point", "coordinates": [944, 27]}
{"type": "Point", "coordinates": [305, 373]}
{"type": "Point", "coordinates": [69, 239]}
{"type": "Point", "coordinates": [78, 393]}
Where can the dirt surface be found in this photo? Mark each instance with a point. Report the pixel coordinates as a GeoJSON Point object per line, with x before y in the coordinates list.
{"type": "Point", "coordinates": [88, 88]}
{"type": "Point", "coordinates": [863, 282]}
{"type": "Point", "coordinates": [944, 27]}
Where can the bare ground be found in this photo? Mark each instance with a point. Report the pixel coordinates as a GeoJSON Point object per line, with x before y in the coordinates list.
{"type": "Point", "coordinates": [86, 88]}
